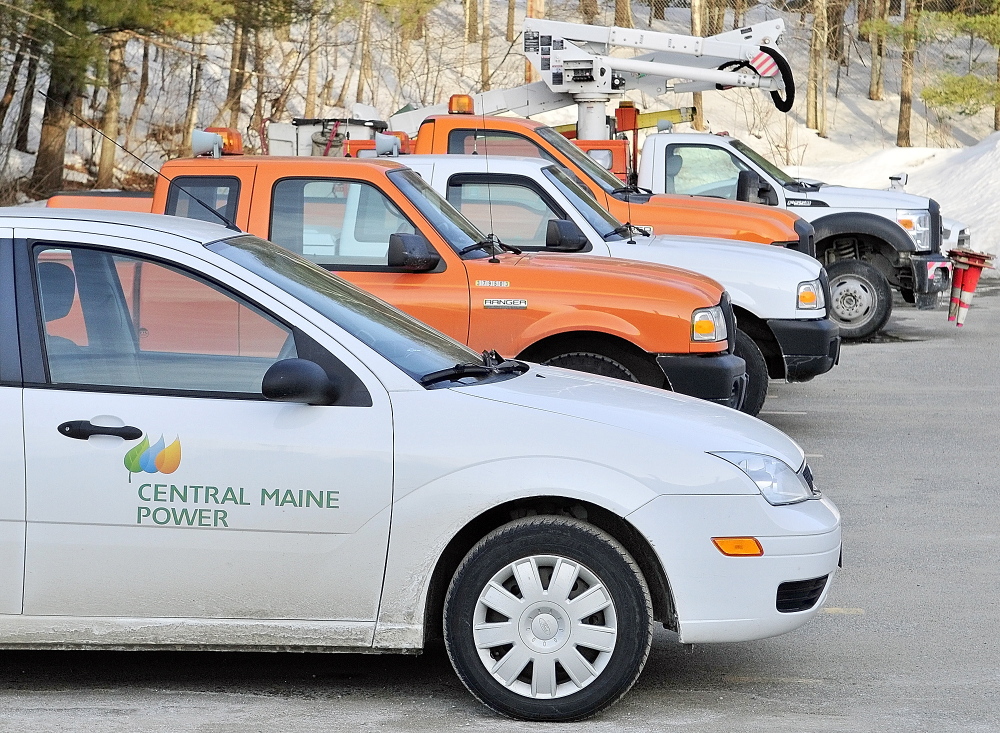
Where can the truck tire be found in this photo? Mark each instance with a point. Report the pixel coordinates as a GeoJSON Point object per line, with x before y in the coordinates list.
{"type": "Point", "coordinates": [861, 300]}
{"type": "Point", "coordinates": [607, 361]}
{"type": "Point", "coordinates": [756, 393]}
{"type": "Point", "coordinates": [548, 619]}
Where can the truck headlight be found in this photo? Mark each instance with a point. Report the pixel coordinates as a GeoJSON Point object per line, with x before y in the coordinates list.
{"type": "Point", "coordinates": [778, 483]}
{"type": "Point", "coordinates": [708, 324]}
{"type": "Point", "coordinates": [917, 223]}
{"type": "Point", "coordinates": [810, 296]}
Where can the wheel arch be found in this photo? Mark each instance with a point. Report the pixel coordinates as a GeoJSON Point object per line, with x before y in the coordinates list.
{"type": "Point", "coordinates": [761, 333]}
{"type": "Point", "coordinates": [550, 345]}
{"type": "Point", "coordinates": [475, 529]}
{"type": "Point", "coordinates": [884, 237]}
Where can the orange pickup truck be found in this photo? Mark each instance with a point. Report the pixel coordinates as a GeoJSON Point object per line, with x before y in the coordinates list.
{"type": "Point", "coordinates": [379, 225]}
{"type": "Point", "coordinates": [699, 216]}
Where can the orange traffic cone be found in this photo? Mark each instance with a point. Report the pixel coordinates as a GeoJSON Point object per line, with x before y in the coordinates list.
{"type": "Point", "coordinates": [968, 267]}
{"type": "Point", "coordinates": [956, 291]}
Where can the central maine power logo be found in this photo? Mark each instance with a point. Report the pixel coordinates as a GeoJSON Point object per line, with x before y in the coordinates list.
{"type": "Point", "coordinates": [155, 458]}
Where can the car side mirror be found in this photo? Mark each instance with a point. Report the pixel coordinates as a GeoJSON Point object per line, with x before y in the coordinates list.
{"type": "Point", "coordinates": [412, 252]}
{"type": "Point", "coordinates": [298, 380]}
{"type": "Point", "coordinates": [562, 235]}
{"type": "Point", "coordinates": [750, 188]}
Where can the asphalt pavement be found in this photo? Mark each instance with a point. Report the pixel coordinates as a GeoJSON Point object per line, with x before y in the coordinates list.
{"type": "Point", "coordinates": [903, 435]}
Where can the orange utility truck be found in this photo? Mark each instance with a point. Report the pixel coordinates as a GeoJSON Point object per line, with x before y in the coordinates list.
{"type": "Point", "coordinates": [377, 224]}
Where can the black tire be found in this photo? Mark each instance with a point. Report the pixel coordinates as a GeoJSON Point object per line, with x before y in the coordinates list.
{"type": "Point", "coordinates": [861, 298]}
{"type": "Point", "coordinates": [757, 377]}
{"type": "Point", "coordinates": [603, 570]}
{"type": "Point", "coordinates": [607, 361]}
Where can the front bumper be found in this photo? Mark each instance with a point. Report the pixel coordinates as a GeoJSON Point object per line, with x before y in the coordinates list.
{"type": "Point", "coordinates": [720, 378]}
{"type": "Point", "coordinates": [931, 275]}
{"type": "Point", "coordinates": [807, 347]}
{"type": "Point", "coordinates": [725, 599]}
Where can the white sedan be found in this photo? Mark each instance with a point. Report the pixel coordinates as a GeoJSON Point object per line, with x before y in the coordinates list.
{"type": "Point", "coordinates": [211, 443]}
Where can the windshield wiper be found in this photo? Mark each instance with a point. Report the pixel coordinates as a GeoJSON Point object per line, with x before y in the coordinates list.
{"type": "Point", "coordinates": [492, 364]}
{"type": "Point", "coordinates": [631, 188]}
{"type": "Point", "coordinates": [491, 244]}
{"type": "Point", "coordinates": [630, 229]}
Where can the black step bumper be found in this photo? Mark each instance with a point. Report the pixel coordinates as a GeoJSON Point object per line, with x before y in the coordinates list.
{"type": "Point", "coordinates": [719, 378]}
{"type": "Point", "coordinates": [807, 347]}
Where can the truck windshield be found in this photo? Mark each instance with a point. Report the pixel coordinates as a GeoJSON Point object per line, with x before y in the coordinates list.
{"type": "Point", "coordinates": [584, 202]}
{"type": "Point", "coordinates": [770, 168]}
{"type": "Point", "coordinates": [601, 175]}
{"type": "Point", "coordinates": [454, 228]}
{"type": "Point", "coordinates": [406, 342]}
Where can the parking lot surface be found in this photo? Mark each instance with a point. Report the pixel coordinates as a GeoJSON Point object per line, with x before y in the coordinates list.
{"type": "Point", "coordinates": [903, 435]}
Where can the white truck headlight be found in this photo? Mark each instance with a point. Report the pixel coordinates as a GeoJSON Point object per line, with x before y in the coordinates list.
{"type": "Point", "coordinates": [810, 296]}
{"type": "Point", "coordinates": [708, 324]}
{"type": "Point", "coordinates": [778, 483]}
{"type": "Point", "coordinates": [917, 223]}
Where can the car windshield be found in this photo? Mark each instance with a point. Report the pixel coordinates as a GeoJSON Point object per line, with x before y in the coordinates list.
{"type": "Point", "coordinates": [415, 348]}
{"type": "Point", "coordinates": [604, 178]}
{"type": "Point", "coordinates": [604, 223]}
{"type": "Point", "coordinates": [770, 168]}
{"type": "Point", "coordinates": [458, 231]}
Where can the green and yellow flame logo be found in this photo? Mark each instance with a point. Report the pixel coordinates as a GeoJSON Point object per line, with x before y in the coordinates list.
{"type": "Point", "coordinates": [156, 458]}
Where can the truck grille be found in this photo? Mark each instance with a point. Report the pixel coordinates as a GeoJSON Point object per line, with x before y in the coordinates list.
{"type": "Point", "coordinates": [800, 595]}
{"type": "Point", "coordinates": [936, 226]}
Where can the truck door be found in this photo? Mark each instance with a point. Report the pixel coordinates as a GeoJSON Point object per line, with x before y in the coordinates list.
{"type": "Point", "coordinates": [344, 225]}
{"type": "Point", "coordinates": [701, 170]}
{"type": "Point", "coordinates": [11, 440]}
{"type": "Point", "coordinates": [160, 483]}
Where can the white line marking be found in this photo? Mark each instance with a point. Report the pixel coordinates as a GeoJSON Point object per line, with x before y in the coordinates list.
{"type": "Point", "coordinates": [782, 412]}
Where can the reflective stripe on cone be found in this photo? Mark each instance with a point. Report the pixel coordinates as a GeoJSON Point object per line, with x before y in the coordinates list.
{"type": "Point", "coordinates": [956, 291]}
{"type": "Point", "coordinates": [969, 283]}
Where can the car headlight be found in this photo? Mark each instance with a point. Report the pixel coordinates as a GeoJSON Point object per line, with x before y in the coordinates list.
{"type": "Point", "coordinates": [917, 223]}
{"type": "Point", "coordinates": [810, 296]}
{"type": "Point", "coordinates": [778, 483]}
{"type": "Point", "coordinates": [709, 324]}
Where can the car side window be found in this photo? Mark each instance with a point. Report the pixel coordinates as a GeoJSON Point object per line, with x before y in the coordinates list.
{"type": "Point", "coordinates": [493, 142]}
{"type": "Point", "coordinates": [518, 214]}
{"type": "Point", "coordinates": [335, 222]}
{"type": "Point", "coordinates": [196, 197]}
{"type": "Point", "coordinates": [128, 322]}
{"type": "Point", "coordinates": [701, 170]}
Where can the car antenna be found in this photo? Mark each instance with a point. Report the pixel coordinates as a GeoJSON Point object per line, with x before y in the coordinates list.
{"type": "Point", "coordinates": [229, 224]}
{"type": "Point", "coordinates": [489, 192]}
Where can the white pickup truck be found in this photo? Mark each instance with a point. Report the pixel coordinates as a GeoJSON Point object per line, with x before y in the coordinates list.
{"type": "Point", "coordinates": [779, 296]}
{"type": "Point", "coordinates": [869, 240]}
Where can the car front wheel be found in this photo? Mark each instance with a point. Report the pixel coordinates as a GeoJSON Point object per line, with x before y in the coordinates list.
{"type": "Point", "coordinates": [548, 618]}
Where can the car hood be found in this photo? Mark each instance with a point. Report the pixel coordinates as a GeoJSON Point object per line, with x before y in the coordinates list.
{"type": "Point", "coordinates": [863, 198]}
{"type": "Point", "coordinates": [680, 420]}
{"type": "Point", "coordinates": [601, 268]}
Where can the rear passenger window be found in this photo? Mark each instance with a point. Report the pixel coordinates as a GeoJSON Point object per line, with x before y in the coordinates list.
{"type": "Point", "coordinates": [492, 142]}
{"type": "Point", "coordinates": [196, 197]}
{"type": "Point", "coordinates": [334, 222]}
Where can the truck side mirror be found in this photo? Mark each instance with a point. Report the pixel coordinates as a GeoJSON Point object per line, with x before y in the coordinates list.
{"type": "Point", "coordinates": [750, 188]}
{"type": "Point", "coordinates": [562, 235]}
{"type": "Point", "coordinates": [412, 252]}
{"type": "Point", "coordinates": [298, 380]}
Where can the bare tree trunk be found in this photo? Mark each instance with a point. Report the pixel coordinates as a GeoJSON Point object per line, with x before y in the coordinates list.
{"type": "Point", "coordinates": [342, 97]}
{"type": "Point", "coordinates": [589, 11]}
{"type": "Point", "coordinates": [259, 62]}
{"type": "Point", "coordinates": [835, 11]}
{"type": "Point", "coordinates": [27, 98]}
{"type": "Point", "coordinates": [365, 70]}
{"type": "Point", "coordinates": [623, 13]}
{"type": "Point", "coordinates": [484, 59]}
{"type": "Point", "coordinates": [535, 9]}
{"type": "Point", "coordinates": [739, 10]}
{"type": "Point", "coordinates": [716, 19]}
{"type": "Point", "coordinates": [112, 110]}
{"type": "Point", "coordinates": [471, 21]}
{"type": "Point", "coordinates": [511, 9]}
{"type": "Point", "coordinates": [816, 84]}
{"type": "Point", "coordinates": [236, 106]}
{"type": "Point", "coordinates": [911, 18]}
{"type": "Point", "coordinates": [876, 40]}
{"type": "Point", "coordinates": [194, 95]}
{"type": "Point", "coordinates": [65, 87]}
{"type": "Point", "coordinates": [15, 73]}
{"type": "Point", "coordinates": [996, 107]}
{"type": "Point", "coordinates": [140, 95]}
{"type": "Point", "coordinates": [312, 63]}
{"type": "Point", "coordinates": [697, 27]}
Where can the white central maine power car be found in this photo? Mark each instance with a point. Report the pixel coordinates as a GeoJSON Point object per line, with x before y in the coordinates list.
{"type": "Point", "coordinates": [211, 443]}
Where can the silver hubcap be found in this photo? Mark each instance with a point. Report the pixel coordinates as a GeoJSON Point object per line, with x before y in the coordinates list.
{"type": "Point", "coordinates": [853, 300]}
{"type": "Point", "coordinates": [545, 626]}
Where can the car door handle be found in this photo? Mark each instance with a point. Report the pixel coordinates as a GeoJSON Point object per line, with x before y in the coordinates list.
{"type": "Point", "coordinates": [83, 429]}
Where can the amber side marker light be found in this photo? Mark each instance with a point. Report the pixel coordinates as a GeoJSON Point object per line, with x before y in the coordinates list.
{"type": "Point", "coordinates": [461, 104]}
{"type": "Point", "coordinates": [738, 546]}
